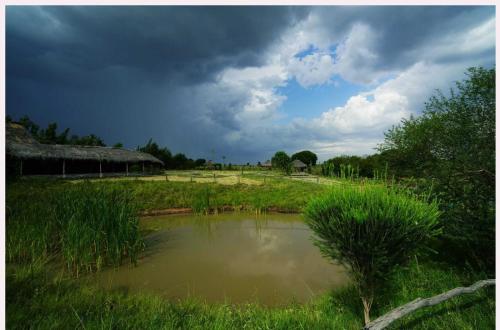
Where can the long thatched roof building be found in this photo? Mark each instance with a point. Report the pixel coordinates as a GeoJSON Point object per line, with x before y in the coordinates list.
{"type": "Point", "coordinates": [20, 145]}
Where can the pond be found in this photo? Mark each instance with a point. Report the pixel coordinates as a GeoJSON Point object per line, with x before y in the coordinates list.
{"type": "Point", "coordinates": [234, 258]}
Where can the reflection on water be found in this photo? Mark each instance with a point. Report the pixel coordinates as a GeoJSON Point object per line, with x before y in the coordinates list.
{"type": "Point", "coordinates": [231, 257]}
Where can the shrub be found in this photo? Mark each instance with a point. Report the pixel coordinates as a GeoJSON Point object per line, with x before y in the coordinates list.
{"type": "Point", "coordinates": [370, 230]}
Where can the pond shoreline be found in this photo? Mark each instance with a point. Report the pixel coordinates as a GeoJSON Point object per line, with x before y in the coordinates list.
{"type": "Point", "coordinates": [225, 208]}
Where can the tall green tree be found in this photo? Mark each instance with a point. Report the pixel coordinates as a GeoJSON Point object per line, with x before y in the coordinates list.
{"type": "Point", "coordinates": [162, 154]}
{"type": "Point", "coordinates": [282, 161]}
{"type": "Point", "coordinates": [453, 144]}
{"type": "Point", "coordinates": [307, 157]}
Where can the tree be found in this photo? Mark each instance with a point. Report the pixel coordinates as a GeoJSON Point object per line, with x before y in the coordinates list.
{"type": "Point", "coordinates": [199, 162]}
{"type": "Point", "coordinates": [281, 161]}
{"type": "Point", "coordinates": [118, 145]}
{"type": "Point", "coordinates": [162, 154]}
{"type": "Point", "coordinates": [30, 126]}
{"type": "Point", "coordinates": [307, 157]}
{"type": "Point", "coordinates": [180, 161]}
{"type": "Point", "coordinates": [453, 145]}
{"type": "Point", "coordinates": [50, 135]}
{"type": "Point", "coordinates": [370, 230]}
{"type": "Point", "coordinates": [88, 140]}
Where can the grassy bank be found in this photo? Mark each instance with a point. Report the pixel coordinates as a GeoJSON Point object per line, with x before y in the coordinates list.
{"type": "Point", "coordinates": [38, 299]}
{"type": "Point", "coordinates": [153, 195]}
{"type": "Point", "coordinates": [97, 222]}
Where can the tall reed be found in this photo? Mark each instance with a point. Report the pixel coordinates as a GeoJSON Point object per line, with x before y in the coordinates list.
{"type": "Point", "coordinates": [88, 225]}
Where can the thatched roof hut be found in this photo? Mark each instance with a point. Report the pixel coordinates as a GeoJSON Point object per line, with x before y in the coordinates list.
{"type": "Point", "coordinates": [50, 158]}
{"type": "Point", "coordinates": [298, 164]}
{"type": "Point", "coordinates": [267, 164]}
{"type": "Point", "coordinates": [20, 144]}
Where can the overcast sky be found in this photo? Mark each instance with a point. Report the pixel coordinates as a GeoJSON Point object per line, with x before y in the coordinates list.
{"type": "Point", "coordinates": [243, 82]}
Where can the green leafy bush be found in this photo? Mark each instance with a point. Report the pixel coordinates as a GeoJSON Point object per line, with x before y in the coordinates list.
{"type": "Point", "coordinates": [452, 146]}
{"type": "Point", "coordinates": [371, 230]}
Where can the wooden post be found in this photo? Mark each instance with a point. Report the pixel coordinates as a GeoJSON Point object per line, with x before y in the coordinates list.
{"type": "Point", "coordinates": [126, 168]}
{"type": "Point", "coordinates": [239, 178]}
{"type": "Point", "coordinates": [191, 178]}
{"type": "Point", "coordinates": [166, 177]}
{"type": "Point", "coordinates": [21, 168]}
{"type": "Point", "coordinates": [317, 179]}
{"type": "Point", "coordinates": [142, 167]}
{"type": "Point", "coordinates": [64, 168]}
{"type": "Point", "coordinates": [100, 169]}
{"type": "Point", "coordinates": [214, 178]}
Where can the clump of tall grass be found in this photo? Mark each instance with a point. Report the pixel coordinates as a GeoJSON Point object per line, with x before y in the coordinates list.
{"type": "Point", "coordinates": [371, 230]}
{"type": "Point", "coordinates": [88, 225]}
{"type": "Point", "coordinates": [98, 226]}
{"type": "Point", "coordinates": [201, 201]}
{"type": "Point", "coordinates": [29, 236]}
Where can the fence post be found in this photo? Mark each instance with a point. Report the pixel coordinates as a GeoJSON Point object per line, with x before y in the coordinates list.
{"type": "Point", "coordinates": [317, 179]}
{"type": "Point", "coordinates": [214, 178]}
{"type": "Point", "coordinates": [239, 178]}
{"type": "Point", "coordinates": [166, 177]}
{"type": "Point", "coordinates": [191, 178]}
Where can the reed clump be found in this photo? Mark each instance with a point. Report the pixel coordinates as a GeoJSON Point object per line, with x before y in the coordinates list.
{"type": "Point", "coordinates": [88, 225]}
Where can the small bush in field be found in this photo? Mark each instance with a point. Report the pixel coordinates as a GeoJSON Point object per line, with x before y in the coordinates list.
{"type": "Point", "coordinates": [371, 230]}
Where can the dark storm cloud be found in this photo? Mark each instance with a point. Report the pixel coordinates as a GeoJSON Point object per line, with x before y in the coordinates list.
{"type": "Point", "coordinates": [173, 43]}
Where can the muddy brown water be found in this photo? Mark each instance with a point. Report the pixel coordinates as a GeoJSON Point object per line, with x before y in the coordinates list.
{"type": "Point", "coordinates": [233, 258]}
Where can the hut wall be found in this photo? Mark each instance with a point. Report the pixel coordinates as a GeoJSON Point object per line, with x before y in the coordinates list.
{"type": "Point", "coordinates": [42, 167]}
{"type": "Point", "coordinates": [54, 167]}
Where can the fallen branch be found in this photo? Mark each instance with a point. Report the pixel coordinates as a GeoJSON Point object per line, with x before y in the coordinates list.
{"type": "Point", "coordinates": [397, 313]}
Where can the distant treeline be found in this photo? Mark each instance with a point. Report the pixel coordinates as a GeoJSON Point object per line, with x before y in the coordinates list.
{"type": "Point", "coordinates": [177, 161]}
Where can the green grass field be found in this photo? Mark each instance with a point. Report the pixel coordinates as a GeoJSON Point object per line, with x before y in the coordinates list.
{"type": "Point", "coordinates": [42, 291]}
